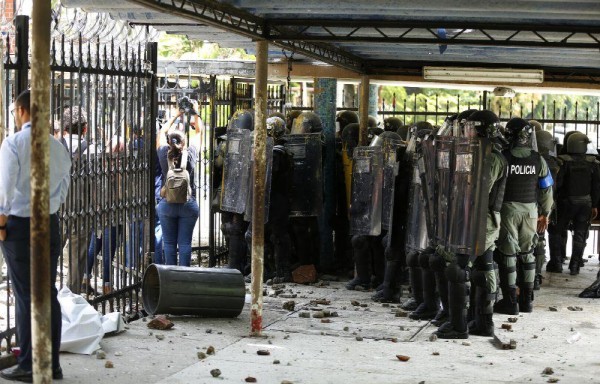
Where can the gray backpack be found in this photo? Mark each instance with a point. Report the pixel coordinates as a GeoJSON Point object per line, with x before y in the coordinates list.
{"type": "Point", "coordinates": [178, 190]}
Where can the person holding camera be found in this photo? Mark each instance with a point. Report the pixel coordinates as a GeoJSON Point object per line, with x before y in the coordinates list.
{"type": "Point", "coordinates": [187, 120]}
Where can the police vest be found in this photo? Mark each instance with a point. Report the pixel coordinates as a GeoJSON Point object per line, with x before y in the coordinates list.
{"type": "Point", "coordinates": [496, 197]}
{"type": "Point", "coordinates": [577, 179]}
{"type": "Point", "coordinates": [522, 180]}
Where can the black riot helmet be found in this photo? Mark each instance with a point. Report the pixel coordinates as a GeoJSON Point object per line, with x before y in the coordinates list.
{"type": "Point", "coordinates": [372, 122]}
{"type": "Point", "coordinates": [391, 124]}
{"type": "Point", "coordinates": [483, 123]}
{"type": "Point", "coordinates": [577, 143]}
{"type": "Point", "coordinates": [291, 116]}
{"type": "Point", "coordinates": [350, 137]}
{"type": "Point", "coordinates": [403, 132]}
{"type": "Point", "coordinates": [275, 127]}
{"type": "Point", "coordinates": [345, 118]}
{"type": "Point", "coordinates": [563, 147]}
{"type": "Point", "coordinates": [307, 122]}
{"type": "Point", "coordinates": [387, 135]}
{"type": "Point", "coordinates": [242, 119]}
{"type": "Point", "coordinates": [185, 105]}
{"type": "Point", "coordinates": [520, 133]}
{"type": "Point", "coordinates": [460, 120]}
{"type": "Point", "coordinates": [546, 143]}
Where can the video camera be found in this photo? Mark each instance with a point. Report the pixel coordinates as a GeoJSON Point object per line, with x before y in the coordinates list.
{"type": "Point", "coordinates": [185, 106]}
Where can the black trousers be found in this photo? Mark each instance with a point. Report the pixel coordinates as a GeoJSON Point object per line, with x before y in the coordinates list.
{"type": "Point", "coordinates": [18, 257]}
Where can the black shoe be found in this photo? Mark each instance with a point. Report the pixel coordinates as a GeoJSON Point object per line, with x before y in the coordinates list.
{"type": "Point", "coordinates": [574, 268]}
{"type": "Point", "coordinates": [410, 305]}
{"type": "Point", "coordinates": [554, 267]}
{"type": "Point", "coordinates": [537, 283]}
{"type": "Point", "coordinates": [507, 307]}
{"type": "Point", "coordinates": [16, 373]}
{"type": "Point", "coordinates": [440, 318]}
{"type": "Point", "coordinates": [352, 284]}
{"type": "Point", "coordinates": [446, 331]}
{"type": "Point", "coordinates": [57, 374]}
{"type": "Point", "coordinates": [423, 312]}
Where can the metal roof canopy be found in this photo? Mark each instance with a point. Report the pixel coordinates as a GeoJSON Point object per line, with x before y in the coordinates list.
{"type": "Point", "coordinates": [387, 37]}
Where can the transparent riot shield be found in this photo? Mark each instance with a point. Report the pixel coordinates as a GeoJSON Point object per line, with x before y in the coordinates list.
{"type": "Point", "coordinates": [236, 171]}
{"type": "Point", "coordinates": [307, 185]}
{"type": "Point", "coordinates": [469, 199]}
{"type": "Point", "coordinates": [393, 150]}
{"type": "Point", "coordinates": [367, 190]}
{"type": "Point", "coordinates": [268, 175]}
{"type": "Point", "coordinates": [444, 158]}
{"type": "Point", "coordinates": [426, 166]}
{"type": "Point", "coordinates": [417, 238]}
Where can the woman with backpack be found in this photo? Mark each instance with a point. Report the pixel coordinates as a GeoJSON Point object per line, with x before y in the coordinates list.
{"type": "Point", "coordinates": [178, 209]}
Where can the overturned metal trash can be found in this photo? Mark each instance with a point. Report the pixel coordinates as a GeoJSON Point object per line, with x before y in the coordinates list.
{"type": "Point", "coordinates": [207, 292]}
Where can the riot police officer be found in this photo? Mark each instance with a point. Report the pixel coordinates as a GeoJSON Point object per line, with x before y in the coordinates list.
{"type": "Point", "coordinates": [392, 124]}
{"type": "Point", "coordinates": [547, 148]}
{"type": "Point", "coordinates": [233, 225]}
{"type": "Point", "coordinates": [474, 155]}
{"type": "Point", "coordinates": [529, 183]}
{"type": "Point", "coordinates": [578, 188]}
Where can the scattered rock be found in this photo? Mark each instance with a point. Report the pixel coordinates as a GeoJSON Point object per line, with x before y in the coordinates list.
{"type": "Point", "coordinates": [553, 380]}
{"type": "Point", "coordinates": [346, 329]}
{"type": "Point", "coordinates": [318, 315]}
{"type": "Point", "coordinates": [433, 337]}
{"type": "Point", "coordinates": [364, 305]}
{"type": "Point", "coordinates": [286, 382]}
{"type": "Point", "coordinates": [359, 338]}
{"type": "Point", "coordinates": [100, 354]}
{"type": "Point", "coordinates": [355, 303]}
{"type": "Point", "coordinates": [320, 302]}
{"type": "Point", "coordinates": [161, 323]}
{"type": "Point", "coordinates": [435, 353]}
{"type": "Point", "coordinates": [535, 336]}
{"type": "Point", "coordinates": [201, 355]}
{"type": "Point", "coordinates": [276, 362]}
{"type": "Point", "coordinates": [548, 371]}
{"type": "Point", "coordinates": [513, 344]}
{"type": "Point", "coordinates": [215, 372]}
{"type": "Point", "coordinates": [250, 379]}
{"type": "Point", "coordinates": [304, 274]}
{"type": "Point", "coordinates": [401, 313]}
{"type": "Point", "coordinates": [466, 343]}
{"type": "Point", "coordinates": [574, 308]}
{"type": "Point", "coordinates": [160, 337]}
{"type": "Point", "coordinates": [109, 364]}
{"type": "Point", "coordinates": [304, 314]}
{"type": "Point", "coordinates": [288, 295]}
{"type": "Point", "coordinates": [289, 305]}
{"type": "Point", "coordinates": [263, 352]}
{"type": "Point", "coordinates": [286, 337]}
{"type": "Point", "coordinates": [210, 350]}
{"type": "Point", "coordinates": [512, 319]}
{"type": "Point", "coordinates": [208, 330]}
{"type": "Point", "coordinates": [403, 357]}
{"type": "Point", "coordinates": [326, 321]}
{"type": "Point", "coordinates": [553, 309]}
{"type": "Point", "coordinates": [394, 339]}
{"type": "Point", "coordinates": [359, 288]}
{"type": "Point", "coordinates": [508, 327]}
{"type": "Point", "coordinates": [118, 353]}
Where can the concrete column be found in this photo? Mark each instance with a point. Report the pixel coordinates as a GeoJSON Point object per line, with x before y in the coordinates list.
{"type": "Point", "coordinates": [349, 96]}
{"type": "Point", "coordinates": [258, 196]}
{"type": "Point", "coordinates": [40, 193]}
{"type": "Point", "coordinates": [373, 100]}
{"type": "Point", "coordinates": [325, 107]}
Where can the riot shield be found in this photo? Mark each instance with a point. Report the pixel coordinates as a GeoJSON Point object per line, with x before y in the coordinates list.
{"type": "Point", "coordinates": [269, 173]}
{"type": "Point", "coordinates": [367, 188]}
{"type": "Point", "coordinates": [307, 185]}
{"type": "Point", "coordinates": [470, 193]}
{"type": "Point", "coordinates": [444, 156]}
{"type": "Point", "coordinates": [236, 171]}
{"type": "Point", "coordinates": [393, 150]}
{"type": "Point", "coordinates": [426, 167]}
{"type": "Point", "coordinates": [417, 238]}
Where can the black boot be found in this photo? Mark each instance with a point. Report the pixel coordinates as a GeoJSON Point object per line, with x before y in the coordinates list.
{"type": "Point", "coordinates": [508, 305]}
{"type": "Point", "coordinates": [416, 285]}
{"type": "Point", "coordinates": [525, 298]}
{"type": "Point", "coordinates": [362, 256]}
{"type": "Point", "coordinates": [537, 283]}
{"type": "Point", "coordinates": [456, 328]}
{"type": "Point", "coordinates": [430, 305]}
{"type": "Point", "coordinates": [237, 252]}
{"type": "Point", "coordinates": [574, 265]}
{"type": "Point", "coordinates": [442, 287]}
{"type": "Point", "coordinates": [388, 292]}
{"type": "Point", "coordinates": [482, 323]}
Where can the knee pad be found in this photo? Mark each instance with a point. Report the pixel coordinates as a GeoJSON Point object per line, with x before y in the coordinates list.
{"type": "Point", "coordinates": [424, 260]}
{"type": "Point", "coordinates": [437, 262]}
{"type": "Point", "coordinates": [412, 259]}
{"type": "Point", "coordinates": [456, 274]}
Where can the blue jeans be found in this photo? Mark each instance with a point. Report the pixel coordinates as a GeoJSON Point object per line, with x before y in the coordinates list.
{"type": "Point", "coordinates": [134, 246]}
{"type": "Point", "coordinates": [158, 243]}
{"type": "Point", "coordinates": [107, 243]}
{"type": "Point", "coordinates": [177, 222]}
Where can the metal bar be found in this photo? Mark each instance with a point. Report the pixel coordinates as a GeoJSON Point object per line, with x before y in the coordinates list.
{"type": "Point", "coordinates": [258, 197]}
{"type": "Point", "coordinates": [152, 58]}
{"type": "Point", "coordinates": [363, 110]}
{"type": "Point", "coordinates": [22, 44]}
{"type": "Point", "coordinates": [40, 194]}
{"type": "Point", "coordinates": [211, 159]}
